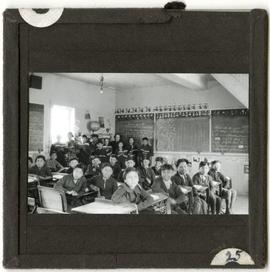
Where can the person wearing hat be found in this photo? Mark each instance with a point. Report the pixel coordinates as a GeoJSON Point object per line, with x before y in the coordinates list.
{"type": "Point", "coordinates": [226, 190]}
{"type": "Point", "coordinates": [146, 150]}
{"type": "Point", "coordinates": [100, 152]}
{"type": "Point", "coordinates": [209, 194]}
{"type": "Point", "coordinates": [104, 183]}
{"type": "Point", "coordinates": [157, 167]}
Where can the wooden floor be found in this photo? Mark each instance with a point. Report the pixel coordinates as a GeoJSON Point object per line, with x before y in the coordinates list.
{"type": "Point", "coordinates": [241, 205]}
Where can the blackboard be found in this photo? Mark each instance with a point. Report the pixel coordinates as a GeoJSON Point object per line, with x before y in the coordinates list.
{"type": "Point", "coordinates": [36, 127]}
{"type": "Point", "coordinates": [183, 134]}
{"type": "Point", "coordinates": [230, 134]}
{"type": "Point", "coordinates": [136, 128]}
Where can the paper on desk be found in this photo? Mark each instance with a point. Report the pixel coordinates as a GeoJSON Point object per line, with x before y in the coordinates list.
{"type": "Point", "coordinates": [155, 197]}
{"type": "Point", "coordinates": [200, 187]}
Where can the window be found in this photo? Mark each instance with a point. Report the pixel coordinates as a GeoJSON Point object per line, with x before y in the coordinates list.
{"type": "Point", "coordinates": [62, 122]}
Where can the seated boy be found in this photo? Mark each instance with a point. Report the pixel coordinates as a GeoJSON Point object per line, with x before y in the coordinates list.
{"type": "Point", "coordinates": [73, 185]}
{"type": "Point", "coordinates": [73, 163]}
{"type": "Point", "coordinates": [93, 169]}
{"type": "Point", "coordinates": [53, 164]}
{"type": "Point", "coordinates": [105, 183]}
{"type": "Point", "coordinates": [164, 184]}
{"type": "Point", "coordinates": [157, 167]}
{"type": "Point", "coordinates": [40, 169]}
{"type": "Point", "coordinates": [146, 150]}
{"type": "Point", "coordinates": [226, 191]}
{"type": "Point", "coordinates": [209, 195]}
{"type": "Point", "coordinates": [100, 152]}
{"type": "Point", "coordinates": [115, 166]}
{"type": "Point", "coordinates": [132, 192]}
{"type": "Point", "coordinates": [146, 174]}
{"type": "Point", "coordinates": [129, 163]}
{"type": "Point", "coordinates": [182, 178]}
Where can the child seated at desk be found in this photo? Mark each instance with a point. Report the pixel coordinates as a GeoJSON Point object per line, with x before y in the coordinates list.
{"type": "Point", "coordinates": [53, 164]}
{"type": "Point", "coordinates": [40, 169]}
{"type": "Point", "coordinates": [132, 192]}
{"type": "Point", "coordinates": [226, 191]}
{"type": "Point", "coordinates": [93, 169]}
{"type": "Point", "coordinates": [146, 174]}
{"type": "Point", "coordinates": [115, 167]}
{"type": "Point", "coordinates": [157, 167]}
{"type": "Point", "coordinates": [129, 163]}
{"type": "Point", "coordinates": [73, 163]}
{"type": "Point", "coordinates": [167, 186]}
{"type": "Point", "coordinates": [104, 183]}
{"type": "Point", "coordinates": [100, 152]}
{"type": "Point", "coordinates": [74, 184]}
{"type": "Point", "coordinates": [209, 194]}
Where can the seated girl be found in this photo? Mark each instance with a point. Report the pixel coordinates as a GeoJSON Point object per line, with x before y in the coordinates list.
{"type": "Point", "coordinates": [146, 173]}
{"type": "Point", "coordinates": [132, 192]}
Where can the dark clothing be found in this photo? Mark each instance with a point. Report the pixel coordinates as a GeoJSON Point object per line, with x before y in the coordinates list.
{"type": "Point", "coordinates": [67, 184]}
{"type": "Point", "coordinates": [138, 196]}
{"type": "Point", "coordinates": [84, 154]}
{"type": "Point", "coordinates": [133, 152]}
{"type": "Point", "coordinates": [146, 152]}
{"type": "Point", "coordinates": [121, 157]}
{"type": "Point", "coordinates": [108, 150]}
{"type": "Point", "coordinates": [101, 154]}
{"type": "Point", "coordinates": [116, 171]}
{"type": "Point", "coordinates": [146, 175]}
{"type": "Point", "coordinates": [54, 165]}
{"type": "Point", "coordinates": [60, 152]}
{"type": "Point", "coordinates": [157, 171]}
{"type": "Point", "coordinates": [209, 195]}
{"type": "Point", "coordinates": [42, 172]}
{"type": "Point", "coordinates": [92, 171]}
{"type": "Point", "coordinates": [173, 192]}
{"type": "Point", "coordinates": [225, 189]}
{"type": "Point", "coordinates": [114, 146]}
{"type": "Point", "coordinates": [185, 180]}
{"type": "Point", "coordinates": [72, 149]}
{"type": "Point", "coordinates": [106, 188]}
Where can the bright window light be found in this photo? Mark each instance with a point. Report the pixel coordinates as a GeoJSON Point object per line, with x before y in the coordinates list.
{"type": "Point", "coordinates": [62, 122]}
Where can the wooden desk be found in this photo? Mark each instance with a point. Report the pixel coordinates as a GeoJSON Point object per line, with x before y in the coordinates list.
{"type": "Point", "coordinates": [103, 206]}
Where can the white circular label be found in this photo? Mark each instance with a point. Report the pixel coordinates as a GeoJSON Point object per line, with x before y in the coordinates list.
{"type": "Point", "coordinates": [41, 19]}
{"type": "Point", "coordinates": [232, 255]}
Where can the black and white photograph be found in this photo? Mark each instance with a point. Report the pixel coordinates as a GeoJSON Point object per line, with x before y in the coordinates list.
{"type": "Point", "coordinates": [145, 143]}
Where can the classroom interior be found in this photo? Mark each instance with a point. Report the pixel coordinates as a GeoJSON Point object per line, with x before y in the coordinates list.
{"type": "Point", "coordinates": [192, 116]}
